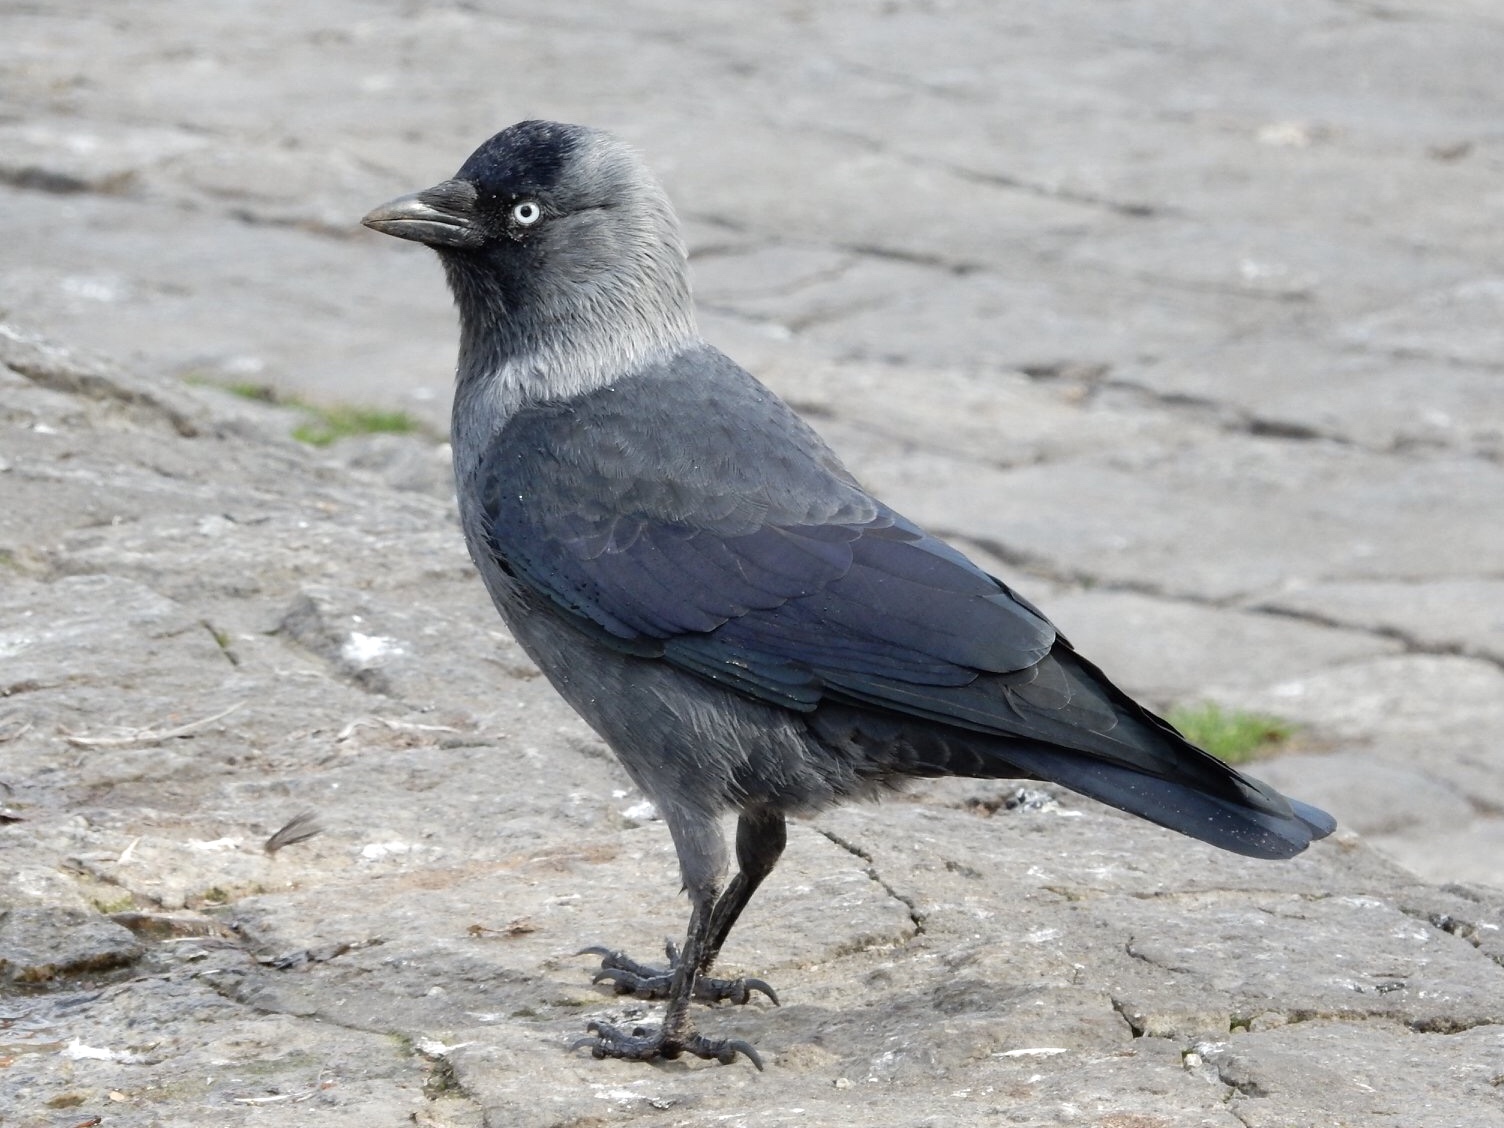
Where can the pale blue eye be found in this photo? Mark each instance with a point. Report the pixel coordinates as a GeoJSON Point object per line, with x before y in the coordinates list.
{"type": "Point", "coordinates": [526, 213]}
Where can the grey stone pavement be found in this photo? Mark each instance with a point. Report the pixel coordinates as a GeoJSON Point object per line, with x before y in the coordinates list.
{"type": "Point", "coordinates": [1187, 318]}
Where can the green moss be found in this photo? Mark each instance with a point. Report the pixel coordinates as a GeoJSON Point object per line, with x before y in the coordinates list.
{"type": "Point", "coordinates": [442, 1081]}
{"type": "Point", "coordinates": [246, 389]}
{"type": "Point", "coordinates": [1230, 735]}
{"type": "Point", "coordinates": [121, 904]}
{"type": "Point", "coordinates": [210, 897]}
{"type": "Point", "coordinates": [326, 424]}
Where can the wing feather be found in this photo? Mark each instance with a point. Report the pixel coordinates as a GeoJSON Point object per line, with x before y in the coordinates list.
{"type": "Point", "coordinates": [775, 573]}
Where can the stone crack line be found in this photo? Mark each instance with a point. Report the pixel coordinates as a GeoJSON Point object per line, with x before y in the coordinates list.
{"type": "Point", "coordinates": [62, 370]}
{"type": "Point", "coordinates": [1005, 181]}
{"type": "Point", "coordinates": [1039, 566]}
{"type": "Point", "coordinates": [1413, 644]}
{"type": "Point", "coordinates": [37, 178]}
{"type": "Point", "coordinates": [1469, 932]}
{"type": "Point", "coordinates": [1127, 1014]}
{"type": "Point", "coordinates": [245, 986]}
{"type": "Point", "coordinates": [870, 869]}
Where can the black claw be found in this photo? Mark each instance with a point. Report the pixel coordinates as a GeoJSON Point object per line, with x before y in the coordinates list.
{"type": "Point", "coordinates": [759, 985]}
{"type": "Point", "coordinates": [738, 991]}
{"type": "Point", "coordinates": [628, 977]}
{"type": "Point", "coordinates": [737, 1046]}
{"type": "Point", "coordinates": [651, 1044]}
{"type": "Point", "coordinates": [630, 983]}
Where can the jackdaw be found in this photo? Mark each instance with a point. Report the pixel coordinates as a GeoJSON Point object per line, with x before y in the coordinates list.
{"type": "Point", "coordinates": [704, 582]}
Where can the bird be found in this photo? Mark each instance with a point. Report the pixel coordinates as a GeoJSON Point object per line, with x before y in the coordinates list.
{"type": "Point", "coordinates": [700, 577]}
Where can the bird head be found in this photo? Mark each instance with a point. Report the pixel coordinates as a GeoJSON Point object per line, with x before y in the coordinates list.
{"type": "Point", "coordinates": [562, 251]}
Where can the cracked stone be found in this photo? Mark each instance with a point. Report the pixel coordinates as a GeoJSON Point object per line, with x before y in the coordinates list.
{"type": "Point", "coordinates": [1388, 966]}
{"type": "Point", "coordinates": [1312, 1067]}
{"type": "Point", "coordinates": [1198, 320]}
{"type": "Point", "coordinates": [1443, 613]}
{"type": "Point", "coordinates": [38, 945]}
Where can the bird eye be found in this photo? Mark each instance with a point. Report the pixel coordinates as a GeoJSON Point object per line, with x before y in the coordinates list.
{"type": "Point", "coordinates": [526, 213]}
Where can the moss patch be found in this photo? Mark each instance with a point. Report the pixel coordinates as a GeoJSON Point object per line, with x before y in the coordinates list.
{"type": "Point", "coordinates": [326, 424]}
{"type": "Point", "coordinates": [1230, 735]}
{"type": "Point", "coordinates": [323, 423]}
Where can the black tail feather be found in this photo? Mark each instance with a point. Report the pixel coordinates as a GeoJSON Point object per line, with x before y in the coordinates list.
{"type": "Point", "coordinates": [1178, 806]}
{"type": "Point", "coordinates": [1069, 725]}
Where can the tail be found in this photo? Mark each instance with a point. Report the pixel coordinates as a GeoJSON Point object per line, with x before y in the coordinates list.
{"type": "Point", "coordinates": [1276, 826]}
{"type": "Point", "coordinates": [1064, 722]}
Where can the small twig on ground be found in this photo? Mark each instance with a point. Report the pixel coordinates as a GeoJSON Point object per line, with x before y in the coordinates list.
{"type": "Point", "coordinates": [13, 730]}
{"type": "Point", "coordinates": [146, 735]}
{"type": "Point", "coordinates": [519, 927]}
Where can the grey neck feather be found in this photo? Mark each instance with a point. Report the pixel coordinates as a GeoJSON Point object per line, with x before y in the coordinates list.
{"type": "Point", "coordinates": [588, 339]}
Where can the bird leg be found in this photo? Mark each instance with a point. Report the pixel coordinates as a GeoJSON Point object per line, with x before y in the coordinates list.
{"type": "Point", "coordinates": [760, 839]}
{"type": "Point", "coordinates": [676, 1035]}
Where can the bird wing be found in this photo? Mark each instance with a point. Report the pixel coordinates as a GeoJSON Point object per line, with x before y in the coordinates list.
{"type": "Point", "coordinates": [687, 515]}
{"type": "Point", "coordinates": [723, 537]}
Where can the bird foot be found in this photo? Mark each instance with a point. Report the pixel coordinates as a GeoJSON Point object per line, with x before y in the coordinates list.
{"type": "Point", "coordinates": [651, 1043]}
{"type": "Point", "coordinates": [628, 977]}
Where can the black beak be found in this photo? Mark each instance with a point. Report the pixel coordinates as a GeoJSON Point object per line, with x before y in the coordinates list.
{"type": "Point", "coordinates": [441, 216]}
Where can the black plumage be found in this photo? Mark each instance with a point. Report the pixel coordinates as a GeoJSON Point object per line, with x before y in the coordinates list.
{"type": "Point", "coordinates": [703, 581]}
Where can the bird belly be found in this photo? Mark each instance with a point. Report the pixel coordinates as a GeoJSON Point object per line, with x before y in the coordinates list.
{"type": "Point", "coordinates": [683, 740]}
